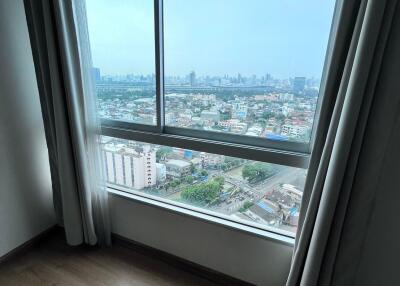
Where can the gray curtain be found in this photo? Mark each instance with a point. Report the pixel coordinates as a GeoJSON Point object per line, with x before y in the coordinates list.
{"type": "Point", "coordinates": [359, 118]}
{"type": "Point", "coordinates": [62, 63]}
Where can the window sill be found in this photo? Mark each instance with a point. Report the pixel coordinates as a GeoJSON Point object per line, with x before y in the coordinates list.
{"type": "Point", "coordinates": [285, 238]}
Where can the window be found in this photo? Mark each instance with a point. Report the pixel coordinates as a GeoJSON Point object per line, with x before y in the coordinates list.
{"type": "Point", "coordinates": [210, 105]}
{"type": "Point", "coordinates": [125, 80]}
{"type": "Point", "coordinates": [238, 189]}
{"type": "Point", "coordinates": [241, 70]}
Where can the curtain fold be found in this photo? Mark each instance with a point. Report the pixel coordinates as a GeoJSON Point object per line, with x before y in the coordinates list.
{"type": "Point", "coordinates": [354, 66]}
{"type": "Point", "coordinates": [62, 64]}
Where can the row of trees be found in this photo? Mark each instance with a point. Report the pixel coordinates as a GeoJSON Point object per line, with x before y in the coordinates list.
{"type": "Point", "coordinates": [246, 206]}
{"type": "Point", "coordinates": [230, 163]}
{"type": "Point", "coordinates": [126, 95]}
{"type": "Point", "coordinates": [257, 172]}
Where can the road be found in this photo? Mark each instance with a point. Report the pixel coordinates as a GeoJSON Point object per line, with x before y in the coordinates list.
{"type": "Point", "coordinates": [286, 176]}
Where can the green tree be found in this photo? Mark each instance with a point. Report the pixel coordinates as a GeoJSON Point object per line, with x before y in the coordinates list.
{"type": "Point", "coordinates": [220, 180]}
{"type": "Point", "coordinates": [192, 168]}
{"type": "Point", "coordinates": [203, 173]}
{"type": "Point", "coordinates": [203, 193]}
{"type": "Point", "coordinates": [175, 183]}
{"type": "Point", "coordinates": [162, 152]}
{"type": "Point", "coordinates": [246, 206]}
{"type": "Point", "coordinates": [280, 117]}
{"type": "Point", "coordinates": [257, 172]}
{"type": "Point", "coordinates": [267, 115]}
{"type": "Point", "coordinates": [232, 161]}
{"type": "Point", "coordinates": [188, 179]}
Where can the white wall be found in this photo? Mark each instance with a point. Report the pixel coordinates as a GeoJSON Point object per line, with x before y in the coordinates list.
{"type": "Point", "coordinates": [25, 186]}
{"type": "Point", "coordinates": [238, 254]}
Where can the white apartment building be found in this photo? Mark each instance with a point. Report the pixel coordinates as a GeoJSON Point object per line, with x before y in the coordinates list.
{"type": "Point", "coordinates": [293, 130]}
{"type": "Point", "coordinates": [129, 167]}
{"type": "Point", "coordinates": [210, 115]}
{"type": "Point", "coordinates": [234, 124]}
{"type": "Point", "coordinates": [177, 168]}
{"type": "Point", "coordinates": [211, 159]}
{"type": "Point", "coordinates": [286, 96]}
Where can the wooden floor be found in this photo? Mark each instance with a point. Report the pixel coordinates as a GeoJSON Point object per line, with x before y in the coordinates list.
{"type": "Point", "coordinates": [52, 262]}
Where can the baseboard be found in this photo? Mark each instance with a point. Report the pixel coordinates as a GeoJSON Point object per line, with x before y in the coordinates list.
{"type": "Point", "coordinates": [26, 246]}
{"type": "Point", "coordinates": [178, 262]}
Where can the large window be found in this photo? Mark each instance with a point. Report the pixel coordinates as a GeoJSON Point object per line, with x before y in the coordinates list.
{"type": "Point", "coordinates": [210, 105]}
{"type": "Point", "coordinates": [239, 189]}
{"type": "Point", "coordinates": [122, 39]}
{"type": "Point", "coordinates": [250, 68]}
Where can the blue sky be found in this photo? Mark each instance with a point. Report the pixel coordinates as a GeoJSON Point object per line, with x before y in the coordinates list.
{"type": "Point", "coordinates": [285, 38]}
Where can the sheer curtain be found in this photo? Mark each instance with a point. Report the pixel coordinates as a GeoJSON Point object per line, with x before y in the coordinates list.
{"type": "Point", "coordinates": [61, 51]}
{"type": "Point", "coordinates": [359, 113]}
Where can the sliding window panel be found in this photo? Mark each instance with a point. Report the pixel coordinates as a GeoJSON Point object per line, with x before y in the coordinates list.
{"type": "Point", "coordinates": [249, 68]}
{"type": "Point", "coordinates": [262, 195]}
{"type": "Point", "coordinates": [123, 51]}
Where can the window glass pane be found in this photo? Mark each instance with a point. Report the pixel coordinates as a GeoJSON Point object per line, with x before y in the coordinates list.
{"type": "Point", "coordinates": [256, 193]}
{"type": "Point", "coordinates": [122, 43]}
{"type": "Point", "coordinates": [245, 67]}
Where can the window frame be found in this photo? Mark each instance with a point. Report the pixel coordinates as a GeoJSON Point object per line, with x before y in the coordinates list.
{"type": "Point", "coordinates": [248, 227]}
{"type": "Point", "coordinates": [286, 153]}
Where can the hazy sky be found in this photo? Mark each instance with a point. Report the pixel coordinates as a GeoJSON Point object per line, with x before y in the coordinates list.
{"type": "Point", "coordinates": [285, 38]}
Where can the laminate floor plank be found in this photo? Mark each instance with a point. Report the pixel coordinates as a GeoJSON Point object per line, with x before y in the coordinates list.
{"type": "Point", "coordinates": [52, 262]}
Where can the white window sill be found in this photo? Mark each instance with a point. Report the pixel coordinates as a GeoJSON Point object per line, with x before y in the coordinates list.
{"type": "Point", "coordinates": [275, 235]}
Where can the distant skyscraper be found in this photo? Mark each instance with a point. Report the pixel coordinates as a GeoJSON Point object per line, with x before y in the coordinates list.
{"type": "Point", "coordinates": [253, 79]}
{"type": "Point", "coordinates": [268, 78]}
{"type": "Point", "coordinates": [299, 84]}
{"type": "Point", "coordinates": [96, 74]}
{"type": "Point", "coordinates": [240, 79]}
{"type": "Point", "coordinates": [192, 78]}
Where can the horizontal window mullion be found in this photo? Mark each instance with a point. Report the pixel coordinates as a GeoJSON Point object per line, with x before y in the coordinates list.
{"type": "Point", "coordinates": [239, 139]}
{"type": "Point", "coordinates": [128, 125]}
{"type": "Point", "coordinates": [286, 158]}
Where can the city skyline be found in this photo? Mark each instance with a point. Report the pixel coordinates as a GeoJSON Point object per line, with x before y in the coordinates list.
{"type": "Point", "coordinates": [273, 109]}
{"type": "Point", "coordinates": [192, 76]}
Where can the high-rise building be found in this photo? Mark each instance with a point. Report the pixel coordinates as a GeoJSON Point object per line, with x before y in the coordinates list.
{"type": "Point", "coordinates": [129, 167]}
{"type": "Point", "coordinates": [239, 78]}
{"type": "Point", "coordinates": [192, 78]}
{"type": "Point", "coordinates": [96, 74]}
{"type": "Point", "coordinates": [299, 84]}
{"type": "Point", "coordinates": [268, 78]}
